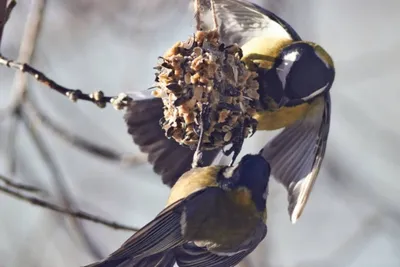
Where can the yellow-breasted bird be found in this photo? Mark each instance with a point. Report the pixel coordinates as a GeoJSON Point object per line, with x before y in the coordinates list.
{"type": "Point", "coordinates": [295, 78]}
{"type": "Point", "coordinates": [215, 216]}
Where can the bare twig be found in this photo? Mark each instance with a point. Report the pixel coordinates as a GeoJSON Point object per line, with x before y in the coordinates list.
{"type": "Point", "coordinates": [59, 181]}
{"type": "Point", "coordinates": [10, 146]}
{"type": "Point", "coordinates": [9, 9]}
{"type": "Point", "coordinates": [197, 12]}
{"type": "Point", "coordinates": [118, 102]}
{"type": "Point", "coordinates": [19, 186]}
{"type": "Point", "coordinates": [38, 116]}
{"type": "Point", "coordinates": [203, 7]}
{"type": "Point", "coordinates": [214, 14]}
{"type": "Point", "coordinates": [3, 16]}
{"type": "Point", "coordinates": [74, 213]}
{"type": "Point", "coordinates": [32, 28]}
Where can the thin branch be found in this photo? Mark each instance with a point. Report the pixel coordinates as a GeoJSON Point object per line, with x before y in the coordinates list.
{"type": "Point", "coordinates": [205, 6]}
{"type": "Point", "coordinates": [3, 16]}
{"type": "Point", "coordinates": [59, 181]}
{"type": "Point", "coordinates": [38, 116]}
{"type": "Point", "coordinates": [19, 186]}
{"type": "Point", "coordinates": [9, 9]}
{"type": "Point", "coordinates": [11, 146]}
{"type": "Point", "coordinates": [197, 14]}
{"type": "Point", "coordinates": [214, 14]}
{"type": "Point", "coordinates": [118, 102]}
{"type": "Point", "coordinates": [27, 47]}
{"type": "Point", "coordinates": [76, 214]}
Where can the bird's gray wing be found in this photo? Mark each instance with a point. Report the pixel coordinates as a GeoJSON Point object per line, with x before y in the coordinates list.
{"type": "Point", "coordinates": [160, 235]}
{"type": "Point", "coordinates": [239, 21]}
{"type": "Point", "coordinates": [169, 159]}
{"type": "Point", "coordinates": [297, 152]}
{"type": "Point", "coordinates": [189, 255]}
{"type": "Point", "coordinates": [163, 259]}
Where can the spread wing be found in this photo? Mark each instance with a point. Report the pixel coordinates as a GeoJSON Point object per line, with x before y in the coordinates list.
{"type": "Point", "coordinates": [239, 21]}
{"type": "Point", "coordinates": [169, 159]}
{"type": "Point", "coordinates": [153, 243]}
{"type": "Point", "coordinates": [296, 154]}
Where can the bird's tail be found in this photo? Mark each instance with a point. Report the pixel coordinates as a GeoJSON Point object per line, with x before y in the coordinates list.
{"type": "Point", "coordinates": [163, 259]}
{"type": "Point", "coordinates": [170, 160]}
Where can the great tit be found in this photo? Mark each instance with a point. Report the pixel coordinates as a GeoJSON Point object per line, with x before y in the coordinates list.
{"type": "Point", "coordinates": [295, 78]}
{"type": "Point", "coordinates": [215, 216]}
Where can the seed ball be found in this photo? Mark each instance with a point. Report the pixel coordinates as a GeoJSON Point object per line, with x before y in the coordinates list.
{"type": "Point", "coordinates": [199, 71]}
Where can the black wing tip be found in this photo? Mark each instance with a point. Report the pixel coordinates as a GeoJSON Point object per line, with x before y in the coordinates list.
{"type": "Point", "coordinates": [169, 159]}
{"type": "Point", "coordinates": [139, 111]}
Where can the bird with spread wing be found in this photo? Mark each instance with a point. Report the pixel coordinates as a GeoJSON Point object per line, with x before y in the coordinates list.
{"type": "Point", "coordinates": [294, 77]}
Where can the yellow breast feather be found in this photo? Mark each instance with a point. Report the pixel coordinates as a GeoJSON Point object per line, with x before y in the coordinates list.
{"type": "Point", "coordinates": [192, 181]}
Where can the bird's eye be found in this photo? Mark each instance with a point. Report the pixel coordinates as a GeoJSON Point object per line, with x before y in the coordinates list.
{"type": "Point", "coordinates": [265, 195]}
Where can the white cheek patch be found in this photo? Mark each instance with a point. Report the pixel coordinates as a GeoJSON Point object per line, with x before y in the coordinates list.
{"type": "Point", "coordinates": [317, 92]}
{"type": "Point", "coordinates": [229, 171]}
{"type": "Point", "coordinates": [265, 195]}
{"type": "Point", "coordinates": [286, 66]}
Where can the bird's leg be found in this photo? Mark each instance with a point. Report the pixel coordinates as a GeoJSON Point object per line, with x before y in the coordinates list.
{"type": "Point", "coordinates": [204, 125]}
{"type": "Point", "coordinates": [253, 123]}
{"type": "Point", "coordinates": [237, 143]}
{"type": "Point", "coordinates": [236, 49]}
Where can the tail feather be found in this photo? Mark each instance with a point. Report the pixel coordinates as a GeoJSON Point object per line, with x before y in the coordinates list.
{"type": "Point", "coordinates": [166, 259]}
{"type": "Point", "coordinates": [113, 263]}
{"type": "Point", "coordinates": [157, 260]}
{"type": "Point", "coordinates": [169, 159]}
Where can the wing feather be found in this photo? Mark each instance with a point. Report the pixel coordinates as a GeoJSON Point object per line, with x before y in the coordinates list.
{"type": "Point", "coordinates": [169, 159]}
{"type": "Point", "coordinates": [155, 240]}
{"type": "Point", "coordinates": [240, 21]}
{"type": "Point", "coordinates": [157, 260]}
{"type": "Point", "coordinates": [296, 154]}
{"type": "Point", "coordinates": [190, 255]}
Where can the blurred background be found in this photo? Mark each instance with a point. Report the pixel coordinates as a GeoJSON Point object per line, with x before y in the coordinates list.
{"type": "Point", "coordinates": [353, 216]}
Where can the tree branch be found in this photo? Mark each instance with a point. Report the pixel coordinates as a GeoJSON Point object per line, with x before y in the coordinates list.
{"type": "Point", "coordinates": [118, 102]}
{"type": "Point", "coordinates": [59, 181]}
{"type": "Point", "coordinates": [77, 213]}
{"type": "Point", "coordinates": [27, 188]}
{"type": "Point", "coordinates": [11, 146]}
{"type": "Point", "coordinates": [38, 116]}
{"type": "Point", "coordinates": [5, 11]}
{"type": "Point", "coordinates": [27, 47]}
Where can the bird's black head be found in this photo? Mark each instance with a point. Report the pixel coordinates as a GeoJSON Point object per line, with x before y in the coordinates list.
{"type": "Point", "coordinates": [252, 172]}
{"type": "Point", "coordinates": [305, 71]}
